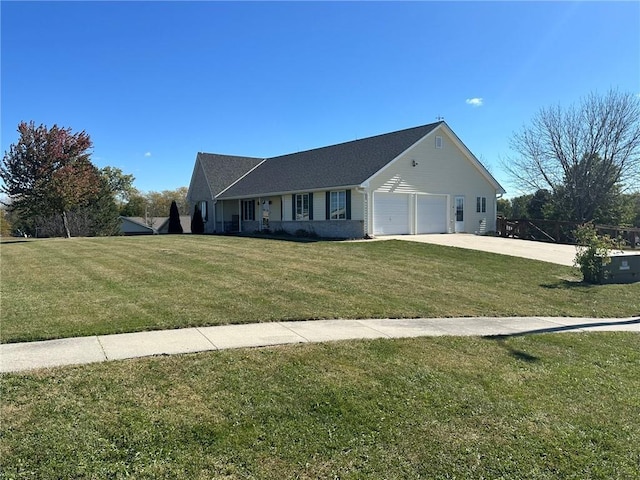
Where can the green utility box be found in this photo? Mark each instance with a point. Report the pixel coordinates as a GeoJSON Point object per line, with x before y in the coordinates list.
{"type": "Point", "coordinates": [622, 269]}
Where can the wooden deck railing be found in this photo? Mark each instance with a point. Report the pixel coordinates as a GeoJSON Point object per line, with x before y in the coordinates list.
{"type": "Point", "coordinates": [560, 232]}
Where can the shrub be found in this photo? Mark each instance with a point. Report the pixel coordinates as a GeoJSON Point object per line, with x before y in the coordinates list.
{"type": "Point", "coordinates": [593, 252]}
{"type": "Point", "coordinates": [174, 219]}
{"type": "Point", "coordinates": [197, 223]}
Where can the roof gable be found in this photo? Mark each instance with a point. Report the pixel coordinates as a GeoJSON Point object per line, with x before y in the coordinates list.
{"type": "Point", "coordinates": [443, 128]}
{"type": "Point", "coordinates": [340, 165]}
{"type": "Point", "coordinates": [221, 171]}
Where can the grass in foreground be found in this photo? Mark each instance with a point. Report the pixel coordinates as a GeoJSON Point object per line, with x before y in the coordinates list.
{"type": "Point", "coordinates": [538, 407]}
{"type": "Point", "coordinates": [60, 288]}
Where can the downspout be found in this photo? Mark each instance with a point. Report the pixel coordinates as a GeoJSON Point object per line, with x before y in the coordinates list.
{"type": "Point", "coordinates": [239, 216]}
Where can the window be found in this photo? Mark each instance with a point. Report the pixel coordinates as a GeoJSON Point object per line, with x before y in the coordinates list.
{"type": "Point", "coordinates": [481, 204]}
{"type": "Point", "coordinates": [301, 206]}
{"type": "Point", "coordinates": [438, 141]}
{"type": "Point", "coordinates": [338, 205]}
{"type": "Point", "coordinates": [248, 210]}
{"type": "Point", "coordinates": [203, 210]}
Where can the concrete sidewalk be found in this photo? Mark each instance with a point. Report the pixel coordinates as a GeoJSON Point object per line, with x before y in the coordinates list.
{"type": "Point", "coordinates": [15, 357]}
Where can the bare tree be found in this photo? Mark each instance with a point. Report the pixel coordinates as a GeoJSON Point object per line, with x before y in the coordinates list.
{"type": "Point", "coordinates": [583, 154]}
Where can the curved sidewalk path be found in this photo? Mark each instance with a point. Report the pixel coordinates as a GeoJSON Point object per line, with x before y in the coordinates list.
{"type": "Point", "coordinates": [15, 357]}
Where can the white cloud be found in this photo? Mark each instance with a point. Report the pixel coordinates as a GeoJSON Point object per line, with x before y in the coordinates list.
{"type": "Point", "coordinates": [475, 102]}
{"type": "Point", "coordinates": [148, 154]}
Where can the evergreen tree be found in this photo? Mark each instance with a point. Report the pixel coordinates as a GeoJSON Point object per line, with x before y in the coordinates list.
{"type": "Point", "coordinates": [174, 219]}
{"type": "Point", "coordinates": [197, 223]}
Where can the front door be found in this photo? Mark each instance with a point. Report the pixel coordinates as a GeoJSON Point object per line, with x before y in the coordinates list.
{"type": "Point", "coordinates": [266, 210]}
{"type": "Point", "coordinates": [459, 214]}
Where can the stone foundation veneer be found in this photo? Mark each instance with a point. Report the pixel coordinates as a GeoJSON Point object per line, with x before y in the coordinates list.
{"type": "Point", "coordinates": [321, 228]}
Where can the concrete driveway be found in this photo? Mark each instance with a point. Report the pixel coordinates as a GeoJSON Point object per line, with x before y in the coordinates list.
{"type": "Point", "coordinates": [546, 252]}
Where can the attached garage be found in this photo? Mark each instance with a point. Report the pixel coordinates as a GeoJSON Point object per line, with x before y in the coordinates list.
{"type": "Point", "coordinates": [431, 215]}
{"type": "Point", "coordinates": [391, 213]}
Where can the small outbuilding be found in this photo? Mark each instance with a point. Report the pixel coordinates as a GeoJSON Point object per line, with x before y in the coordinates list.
{"type": "Point", "coordinates": [151, 225]}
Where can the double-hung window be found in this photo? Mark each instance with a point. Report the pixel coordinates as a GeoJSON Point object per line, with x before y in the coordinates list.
{"type": "Point", "coordinates": [338, 205]}
{"type": "Point", "coordinates": [248, 210]}
{"type": "Point", "coordinates": [203, 210]}
{"type": "Point", "coordinates": [481, 204]}
{"type": "Point", "coordinates": [301, 208]}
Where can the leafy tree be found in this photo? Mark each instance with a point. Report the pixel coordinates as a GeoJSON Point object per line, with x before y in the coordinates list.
{"type": "Point", "coordinates": [520, 206]}
{"type": "Point", "coordinates": [504, 207]}
{"type": "Point", "coordinates": [632, 202]}
{"type": "Point", "coordinates": [136, 206]}
{"type": "Point", "coordinates": [197, 223]}
{"type": "Point", "coordinates": [585, 155]}
{"type": "Point", "coordinates": [5, 224]}
{"type": "Point", "coordinates": [155, 204]}
{"type": "Point", "coordinates": [538, 204]}
{"type": "Point", "coordinates": [119, 184]}
{"type": "Point", "coordinates": [49, 172]}
{"type": "Point", "coordinates": [158, 203]}
{"type": "Point", "coordinates": [174, 219]}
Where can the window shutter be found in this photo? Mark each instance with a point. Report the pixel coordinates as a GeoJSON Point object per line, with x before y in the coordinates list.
{"type": "Point", "coordinates": [293, 207]}
{"type": "Point", "coordinates": [348, 204]}
{"type": "Point", "coordinates": [327, 206]}
{"type": "Point", "coordinates": [311, 206]}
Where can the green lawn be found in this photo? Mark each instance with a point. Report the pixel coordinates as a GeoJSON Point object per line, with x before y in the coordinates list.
{"type": "Point", "coordinates": [537, 407]}
{"type": "Point", "coordinates": [60, 288]}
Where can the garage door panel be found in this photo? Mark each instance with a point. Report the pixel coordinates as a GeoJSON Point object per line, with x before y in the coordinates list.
{"type": "Point", "coordinates": [391, 214]}
{"type": "Point", "coordinates": [432, 214]}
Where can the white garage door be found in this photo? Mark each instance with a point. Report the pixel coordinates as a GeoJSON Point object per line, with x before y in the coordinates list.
{"type": "Point", "coordinates": [432, 214]}
{"type": "Point", "coordinates": [391, 214]}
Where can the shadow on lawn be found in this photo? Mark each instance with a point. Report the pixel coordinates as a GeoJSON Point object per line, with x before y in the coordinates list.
{"type": "Point", "coordinates": [567, 284]}
{"type": "Point", "coordinates": [517, 354]}
{"type": "Point", "coordinates": [524, 356]}
{"type": "Point", "coordinates": [7, 242]}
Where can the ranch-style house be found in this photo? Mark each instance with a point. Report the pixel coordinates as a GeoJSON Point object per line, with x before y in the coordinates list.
{"type": "Point", "coordinates": [412, 181]}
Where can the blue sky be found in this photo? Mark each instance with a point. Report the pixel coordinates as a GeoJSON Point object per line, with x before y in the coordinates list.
{"type": "Point", "coordinates": [153, 83]}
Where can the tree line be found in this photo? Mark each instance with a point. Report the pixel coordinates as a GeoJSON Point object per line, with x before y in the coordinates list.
{"type": "Point", "coordinates": [542, 205]}
{"type": "Point", "coordinates": [53, 188]}
{"type": "Point", "coordinates": [582, 162]}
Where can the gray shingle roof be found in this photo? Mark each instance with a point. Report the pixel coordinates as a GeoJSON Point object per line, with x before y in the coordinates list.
{"type": "Point", "coordinates": [222, 170]}
{"type": "Point", "coordinates": [345, 164]}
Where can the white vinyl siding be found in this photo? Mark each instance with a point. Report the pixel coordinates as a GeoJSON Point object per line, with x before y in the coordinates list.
{"type": "Point", "coordinates": [447, 171]}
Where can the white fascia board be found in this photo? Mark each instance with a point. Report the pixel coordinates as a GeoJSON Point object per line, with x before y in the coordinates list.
{"type": "Point", "coordinates": [232, 184]}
